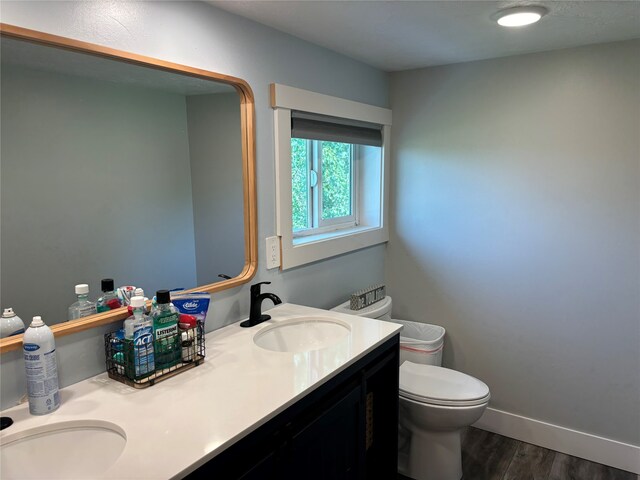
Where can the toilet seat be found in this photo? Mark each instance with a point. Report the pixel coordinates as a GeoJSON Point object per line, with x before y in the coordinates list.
{"type": "Point", "coordinates": [441, 386]}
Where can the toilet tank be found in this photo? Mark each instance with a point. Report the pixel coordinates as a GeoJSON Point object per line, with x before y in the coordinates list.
{"type": "Point", "coordinates": [380, 310]}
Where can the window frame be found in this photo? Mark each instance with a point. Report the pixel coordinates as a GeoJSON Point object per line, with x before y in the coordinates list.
{"type": "Point", "coordinates": [369, 230]}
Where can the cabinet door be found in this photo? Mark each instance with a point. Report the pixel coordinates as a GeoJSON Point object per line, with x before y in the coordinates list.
{"type": "Point", "coordinates": [265, 469]}
{"type": "Point", "coordinates": [251, 459]}
{"type": "Point", "coordinates": [381, 418]}
{"type": "Point", "coordinates": [332, 445]}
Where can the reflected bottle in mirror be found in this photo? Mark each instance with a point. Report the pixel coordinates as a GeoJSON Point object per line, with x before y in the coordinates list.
{"type": "Point", "coordinates": [109, 299]}
{"type": "Point", "coordinates": [83, 307]}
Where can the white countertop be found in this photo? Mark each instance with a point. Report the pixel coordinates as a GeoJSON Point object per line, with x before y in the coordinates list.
{"type": "Point", "coordinates": [179, 424]}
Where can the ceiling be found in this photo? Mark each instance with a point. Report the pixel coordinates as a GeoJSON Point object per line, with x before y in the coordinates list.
{"type": "Point", "coordinates": [401, 35]}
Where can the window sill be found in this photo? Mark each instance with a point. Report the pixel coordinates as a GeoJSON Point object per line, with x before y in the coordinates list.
{"type": "Point", "coordinates": [321, 237]}
{"type": "Point", "coordinates": [312, 248]}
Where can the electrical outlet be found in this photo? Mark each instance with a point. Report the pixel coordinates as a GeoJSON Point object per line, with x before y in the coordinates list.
{"type": "Point", "coordinates": [273, 252]}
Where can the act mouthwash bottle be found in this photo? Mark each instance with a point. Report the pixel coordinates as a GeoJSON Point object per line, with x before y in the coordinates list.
{"type": "Point", "coordinates": [138, 334]}
{"type": "Point", "coordinates": [165, 331]}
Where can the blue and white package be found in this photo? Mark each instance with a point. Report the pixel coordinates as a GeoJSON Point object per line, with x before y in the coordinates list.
{"type": "Point", "coordinates": [194, 303]}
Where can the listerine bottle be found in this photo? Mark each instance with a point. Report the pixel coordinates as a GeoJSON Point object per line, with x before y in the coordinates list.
{"type": "Point", "coordinates": [109, 299]}
{"type": "Point", "coordinates": [138, 334]}
{"type": "Point", "coordinates": [168, 349]}
{"type": "Point", "coordinates": [83, 307]}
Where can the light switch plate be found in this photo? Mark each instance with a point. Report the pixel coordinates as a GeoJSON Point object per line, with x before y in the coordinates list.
{"type": "Point", "coordinates": [273, 252]}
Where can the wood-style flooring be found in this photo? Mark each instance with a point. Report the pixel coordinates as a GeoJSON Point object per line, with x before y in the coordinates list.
{"type": "Point", "coordinates": [488, 456]}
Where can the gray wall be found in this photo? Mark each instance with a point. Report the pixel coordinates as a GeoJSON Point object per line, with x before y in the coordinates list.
{"type": "Point", "coordinates": [202, 36]}
{"type": "Point", "coordinates": [215, 147]}
{"type": "Point", "coordinates": [94, 177]}
{"type": "Point", "coordinates": [516, 226]}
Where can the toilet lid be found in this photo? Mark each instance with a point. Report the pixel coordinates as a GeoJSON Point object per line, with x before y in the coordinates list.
{"type": "Point", "coordinates": [440, 386]}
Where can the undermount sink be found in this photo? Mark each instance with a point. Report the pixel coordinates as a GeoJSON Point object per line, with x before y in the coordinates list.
{"type": "Point", "coordinates": [75, 449]}
{"type": "Point", "coordinates": [302, 334]}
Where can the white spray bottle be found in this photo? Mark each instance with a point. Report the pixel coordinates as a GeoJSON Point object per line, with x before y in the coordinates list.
{"type": "Point", "coordinates": [39, 350]}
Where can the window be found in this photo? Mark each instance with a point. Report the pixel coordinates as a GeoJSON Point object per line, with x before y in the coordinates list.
{"type": "Point", "coordinates": [331, 159]}
{"type": "Point", "coordinates": [322, 186]}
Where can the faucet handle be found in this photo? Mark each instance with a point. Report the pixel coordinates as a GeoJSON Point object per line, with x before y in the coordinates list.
{"type": "Point", "coordinates": [255, 288]}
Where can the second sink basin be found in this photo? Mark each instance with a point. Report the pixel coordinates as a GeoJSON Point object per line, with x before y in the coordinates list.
{"type": "Point", "coordinates": [65, 450]}
{"type": "Point", "coordinates": [302, 334]}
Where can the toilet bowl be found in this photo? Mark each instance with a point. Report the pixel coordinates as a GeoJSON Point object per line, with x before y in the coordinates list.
{"type": "Point", "coordinates": [436, 403]}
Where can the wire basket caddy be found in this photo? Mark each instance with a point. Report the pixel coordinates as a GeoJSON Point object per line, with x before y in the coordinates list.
{"type": "Point", "coordinates": [142, 366]}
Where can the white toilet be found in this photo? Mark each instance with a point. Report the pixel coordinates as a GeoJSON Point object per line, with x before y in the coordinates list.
{"type": "Point", "coordinates": [436, 403]}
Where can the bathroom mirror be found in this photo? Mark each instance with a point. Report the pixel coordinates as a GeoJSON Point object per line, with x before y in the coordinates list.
{"type": "Point", "coordinates": [115, 165]}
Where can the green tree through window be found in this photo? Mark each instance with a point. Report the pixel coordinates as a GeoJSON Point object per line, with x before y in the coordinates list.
{"type": "Point", "coordinates": [336, 180]}
{"type": "Point", "coordinates": [335, 162]}
{"type": "Point", "coordinates": [300, 183]}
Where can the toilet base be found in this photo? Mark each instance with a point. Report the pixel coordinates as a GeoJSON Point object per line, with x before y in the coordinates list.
{"type": "Point", "coordinates": [435, 456]}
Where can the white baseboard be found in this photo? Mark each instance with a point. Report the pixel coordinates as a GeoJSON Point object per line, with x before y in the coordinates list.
{"type": "Point", "coordinates": [578, 444]}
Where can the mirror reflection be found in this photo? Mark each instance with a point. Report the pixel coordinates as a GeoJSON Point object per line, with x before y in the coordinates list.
{"type": "Point", "coordinates": [113, 170]}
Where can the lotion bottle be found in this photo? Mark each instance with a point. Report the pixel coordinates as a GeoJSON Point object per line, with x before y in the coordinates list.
{"type": "Point", "coordinates": [39, 350]}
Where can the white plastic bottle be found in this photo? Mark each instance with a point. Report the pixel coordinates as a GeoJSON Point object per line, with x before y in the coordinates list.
{"type": "Point", "coordinates": [10, 324]}
{"type": "Point", "coordinates": [39, 350]}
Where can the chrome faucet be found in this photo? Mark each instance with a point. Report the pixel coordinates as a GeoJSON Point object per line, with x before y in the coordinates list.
{"type": "Point", "coordinates": [255, 312]}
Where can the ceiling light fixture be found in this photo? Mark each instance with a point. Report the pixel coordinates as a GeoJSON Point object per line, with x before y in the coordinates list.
{"type": "Point", "coordinates": [519, 16]}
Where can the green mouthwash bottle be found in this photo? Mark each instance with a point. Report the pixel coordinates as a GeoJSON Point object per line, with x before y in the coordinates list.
{"type": "Point", "coordinates": [165, 331]}
{"type": "Point", "coordinates": [109, 299]}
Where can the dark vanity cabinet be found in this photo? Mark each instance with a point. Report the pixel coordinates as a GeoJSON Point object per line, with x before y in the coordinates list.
{"type": "Point", "coordinates": [347, 429]}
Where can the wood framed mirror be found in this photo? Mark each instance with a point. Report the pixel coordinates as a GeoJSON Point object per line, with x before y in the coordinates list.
{"type": "Point", "coordinates": [117, 165]}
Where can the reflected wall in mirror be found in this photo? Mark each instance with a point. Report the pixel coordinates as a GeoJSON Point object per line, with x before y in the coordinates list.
{"type": "Point", "coordinates": [118, 166]}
